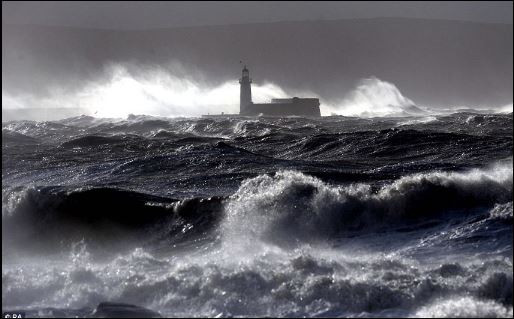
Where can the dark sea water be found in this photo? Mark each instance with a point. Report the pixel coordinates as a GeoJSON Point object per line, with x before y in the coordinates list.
{"type": "Point", "coordinates": [338, 216]}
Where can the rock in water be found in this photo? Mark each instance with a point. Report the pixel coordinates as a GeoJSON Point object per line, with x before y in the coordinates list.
{"type": "Point", "coordinates": [122, 310]}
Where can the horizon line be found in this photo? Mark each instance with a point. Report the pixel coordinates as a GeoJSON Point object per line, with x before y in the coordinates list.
{"type": "Point", "coordinates": [250, 23]}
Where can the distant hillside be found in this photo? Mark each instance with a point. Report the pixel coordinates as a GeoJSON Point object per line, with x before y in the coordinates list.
{"type": "Point", "coordinates": [431, 61]}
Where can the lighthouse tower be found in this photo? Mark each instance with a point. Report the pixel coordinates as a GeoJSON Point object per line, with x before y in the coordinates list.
{"type": "Point", "coordinates": [245, 98]}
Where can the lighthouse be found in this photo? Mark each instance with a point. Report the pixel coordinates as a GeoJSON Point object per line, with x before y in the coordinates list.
{"type": "Point", "coordinates": [295, 106]}
{"type": "Point", "coordinates": [245, 97]}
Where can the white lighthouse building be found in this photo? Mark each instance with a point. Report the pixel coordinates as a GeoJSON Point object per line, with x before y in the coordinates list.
{"type": "Point", "coordinates": [245, 96]}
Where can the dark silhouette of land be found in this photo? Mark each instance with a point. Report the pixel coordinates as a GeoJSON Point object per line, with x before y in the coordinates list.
{"type": "Point", "coordinates": [433, 62]}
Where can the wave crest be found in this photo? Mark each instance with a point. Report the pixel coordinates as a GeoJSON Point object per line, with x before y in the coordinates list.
{"type": "Point", "coordinates": [291, 206]}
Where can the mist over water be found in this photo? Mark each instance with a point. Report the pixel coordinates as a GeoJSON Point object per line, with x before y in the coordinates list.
{"type": "Point", "coordinates": [374, 97]}
{"type": "Point", "coordinates": [151, 92]}
{"type": "Point", "coordinates": [154, 91]}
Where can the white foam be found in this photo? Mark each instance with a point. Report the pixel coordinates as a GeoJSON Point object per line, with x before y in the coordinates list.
{"type": "Point", "coordinates": [374, 97]}
{"type": "Point", "coordinates": [464, 307]}
{"type": "Point", "coordinates": [292, 207]}
{"type": "Point", "coordinates": [298, 282]}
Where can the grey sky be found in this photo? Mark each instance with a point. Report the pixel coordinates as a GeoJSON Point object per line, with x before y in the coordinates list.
{"type": "Point", "coordinates": [159, 14]}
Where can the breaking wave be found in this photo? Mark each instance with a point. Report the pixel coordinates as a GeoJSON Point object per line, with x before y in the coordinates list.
{"type": "Point", "coordinates": [330, 217]}
{"type": "Point", "coordinates": [302, 282]}
{"type": "Point", "coordinates": [285, 207]}
{"type": "Point", "coordinates": [375, 98]}
{"type": "Point", "coordinates": [292, 206]}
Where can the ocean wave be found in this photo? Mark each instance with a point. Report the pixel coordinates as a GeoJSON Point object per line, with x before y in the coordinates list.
{"type": "Point", "coordinates": [285, 208]}
{"type": "Point", "coordinates": [468, 128]}
{"type": "Point", "coordinates": [419, 120]}
{"type": "Point", "coordinates": [373, 97]}
{"type": "Point", "coordinates": [306, 282]}
{"type": "Point", "coordinates": [91, 140]}
{"type": "Point", "coordinates": [387, 143]}
{"type": "Point", "coordinates": [106, 217]}
{"type": "Point", "coordinates": [15, 138]}
{"type": "Point", "coordinates": [231, 216]}
{"type": "Point", "coordinates": [291, 206]}
{"type": "Point", "coordinates": [464, 307]}
{"type": "Point", "coordinates": [502, 212]}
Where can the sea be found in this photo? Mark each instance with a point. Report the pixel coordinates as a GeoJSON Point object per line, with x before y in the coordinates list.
{"type": "Point", "coordinates": [258, 217]}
